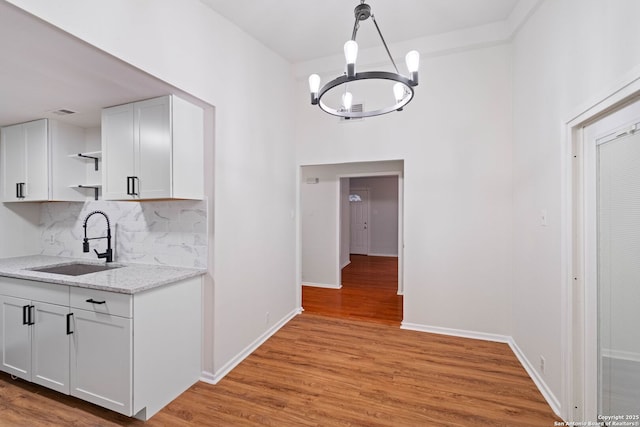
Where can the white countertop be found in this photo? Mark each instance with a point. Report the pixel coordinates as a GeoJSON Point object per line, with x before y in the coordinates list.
{"type": "Point", "coordinates": [128, 279]}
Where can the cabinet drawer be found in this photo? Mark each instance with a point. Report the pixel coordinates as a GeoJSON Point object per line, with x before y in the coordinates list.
{"type": "Point", "coordinates": [34, 291]}
{"type": "Point", "coordinates": [102, 302]}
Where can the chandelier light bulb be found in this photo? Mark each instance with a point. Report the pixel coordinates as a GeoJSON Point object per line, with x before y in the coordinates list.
{"type": "Point", "coordinates": [347, 100]}
{"type": "Point", "coordinates": [413, 64]}
{"type": "Point", "coordinates": [351, 54]}
{"type": "Point", "coordinates": [314, 87]}
{"type": "Point", "coordinates": [398, 92]}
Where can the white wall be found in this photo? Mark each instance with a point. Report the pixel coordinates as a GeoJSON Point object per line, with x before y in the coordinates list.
{"type": "Point", "coordinates": [191, 47]}
{"type": "Point", "coordinates": [19, 232]}
{"type": "Point", "coordinates": [570, 53]}
{"type": "Point", "coordinates": [383, 213]}
{"type": "Point", "coordinates": [455, 139]}
{"type": "Point", "coordinates": [319, 205]}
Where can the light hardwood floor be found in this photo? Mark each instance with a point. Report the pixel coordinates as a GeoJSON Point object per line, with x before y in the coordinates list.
{"type": "Point", "coordinates": [344, 362]}
{"type": "Point", "coordinates": [369, 292]}
{"type": "Point", "coordinates": [322, 371]}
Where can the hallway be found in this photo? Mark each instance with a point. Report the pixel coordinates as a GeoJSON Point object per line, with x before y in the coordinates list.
{"type": "Point", "coordinates": [369, 292]}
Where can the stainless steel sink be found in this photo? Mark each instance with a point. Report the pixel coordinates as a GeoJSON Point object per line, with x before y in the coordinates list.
{"type": "Point", "coordinates": [75, 269]}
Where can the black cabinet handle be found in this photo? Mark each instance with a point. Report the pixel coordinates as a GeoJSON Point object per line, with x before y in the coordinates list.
{"type": "Point", "coordinates": [19, 190]}
{"type": "Point", "coordinates": [134, 191]}
{"type": "Point", "coordinates": [31, 315]}
{"type": "Point", "coordinates": [131, 186]}
{"type": "Point", "coordinates": [92, 301]}
{"type": "Point", "coordinates": [25, 314]}
{"type": "Point", "coordinates": [69, 331]}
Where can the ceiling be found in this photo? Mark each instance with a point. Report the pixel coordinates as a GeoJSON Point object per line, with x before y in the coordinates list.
{"type": "Point", "coordinates": [301, 30]}
{"type": "Point", "coordinates": [43, 69]}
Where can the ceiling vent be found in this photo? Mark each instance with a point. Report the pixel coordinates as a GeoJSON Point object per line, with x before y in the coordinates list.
{"type": "Point", "coordinates": [355, 108]}
{"type": "Point", "coordinates": [62, 112]}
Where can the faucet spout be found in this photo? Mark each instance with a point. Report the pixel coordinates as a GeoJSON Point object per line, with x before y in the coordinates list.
{"type": "Point", "coordinates": [108, 254]}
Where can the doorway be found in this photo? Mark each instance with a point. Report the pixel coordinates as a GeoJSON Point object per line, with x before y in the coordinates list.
{"type": "Point", "coordinates": [367, 247]}
{"type": "Point", "coordinates": [606, 251]}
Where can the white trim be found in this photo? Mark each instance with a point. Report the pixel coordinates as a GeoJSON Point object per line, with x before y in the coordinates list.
{"type": "Point", "coordinates": [210, 378]}
{"type": "Point", "coordinates": [572, 264]}
{"type": "Point", "coordinates": [322, 285]}
{"type": "Point", "coordinates": [548, 395]}
{"type": "Point", "coordinates": [456, 332]}
{"type": "Point", "coordinates": [343, 266]}
{"type": "Point", "coordinates": [621, 355]}
{"type": "Point", "coordinates": [505, 339]}
{"type": "Point", "coordinates": [386, 255]}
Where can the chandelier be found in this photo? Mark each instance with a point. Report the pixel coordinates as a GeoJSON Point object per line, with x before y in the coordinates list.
{"type": "Point", "coordinates": [341, 101]}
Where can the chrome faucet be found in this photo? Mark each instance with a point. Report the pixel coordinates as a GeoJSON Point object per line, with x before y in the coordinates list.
{"type": "Point", "coordinates": [85, 244]}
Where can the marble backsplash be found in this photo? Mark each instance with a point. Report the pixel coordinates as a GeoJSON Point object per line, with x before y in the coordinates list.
{"type": "Point", "coordinates": [163, 232]}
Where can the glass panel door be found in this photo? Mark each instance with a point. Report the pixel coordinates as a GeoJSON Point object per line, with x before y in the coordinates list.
{"type": "Point", "coordinates": [618, 195]}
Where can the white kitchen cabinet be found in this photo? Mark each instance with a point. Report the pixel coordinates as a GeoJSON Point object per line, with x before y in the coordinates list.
{"type": "Point", "coordinates": [34, 335]}
{"type": "Point", "coordinates": [101, 360]}
{"type": "Point", "coordinates": [102, 351]}
{"type": "Point", "coordinates": [153, 149]}
{"type": "Point", "coordinates": [88, 343]}
{"type": "Point", "coordinates": [35, 164]}
{"type": "Point", "coordinates": [25, 162]}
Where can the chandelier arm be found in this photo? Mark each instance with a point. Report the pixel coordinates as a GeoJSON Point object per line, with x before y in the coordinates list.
{"type": "Point", "coordinates": [385, 44]}
{"type": "Point", "coordinates": [356, 26]}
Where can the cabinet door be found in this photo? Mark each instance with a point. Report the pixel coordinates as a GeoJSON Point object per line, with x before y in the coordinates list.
{"type": "Point", "coordinates": [153, 148]}
{"type": "Point", "coordinates": [50, 347]}
{"type": "Point", "coordinates": [36, 160]}
{"type": "Point", "coordinates": [101, 360]}
{"type": "Point", "coordinates": [15, 337]}
{"type": "Point", "coordinates": [13, 161]}
{"type": "Point", "coordinates": [117, 151]}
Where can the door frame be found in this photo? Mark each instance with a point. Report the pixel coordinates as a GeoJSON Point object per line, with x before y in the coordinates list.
{"type": "Point", "coordinates": [399, 174]}
{"type": "Point", "coordinates": [574, 251]}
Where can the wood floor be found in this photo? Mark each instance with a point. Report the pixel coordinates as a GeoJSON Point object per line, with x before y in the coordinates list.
{"type": "Point", "coordinates": [323, 371]}
{"type": "Point", "coordinates": [369, 292]}
{"type": "Point", "coordinates": [343, 362]}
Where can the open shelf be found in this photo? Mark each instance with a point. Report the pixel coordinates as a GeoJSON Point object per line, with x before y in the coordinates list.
{"type": "Point", "coordinates": [89, 155]}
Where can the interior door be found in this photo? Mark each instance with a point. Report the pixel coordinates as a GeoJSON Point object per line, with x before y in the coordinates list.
{"type": "Point", "coordinates": [618, 224]}
{"type": "Point", "coordinates": [608, 375]}
{"type": "Point", "coordinates": [359, 208]}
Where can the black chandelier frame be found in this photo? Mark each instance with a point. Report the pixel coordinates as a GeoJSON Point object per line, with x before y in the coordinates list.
{"type": "Point", "coordinates": [362, 12]}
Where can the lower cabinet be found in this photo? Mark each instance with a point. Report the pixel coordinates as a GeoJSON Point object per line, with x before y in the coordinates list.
{"type": "Point", "coordinates": [87, 343]}
{"type": "Point", "coordinates": [102, 348]}
{"type": "Point", "coordinates": [34, 342]}
{"type": "Point", "coordinates": [101, 365]}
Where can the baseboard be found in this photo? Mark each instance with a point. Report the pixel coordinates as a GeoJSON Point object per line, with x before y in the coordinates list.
{"type": "Point", "coordinates": [214, 378]}
{"type": "Point", "coordinates": [621, 355]}
{"type": "Point", "coordinates": [322, 285]}
{"type": "Point", "coordinates": [345, 264]}
{"type": "Point", "coordinates": [385, 255]}
{"type": "Point", "coordinates": [456, 332]}
{"type": "Point", "coordinates": [537, 379]}
{"type": "Point", "coordinates": [533, 374]}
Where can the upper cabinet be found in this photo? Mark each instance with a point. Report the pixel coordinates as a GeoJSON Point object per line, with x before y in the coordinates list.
{"type": "Point", "coordinates": [153, 150]}
{"type": "Point", "coordinates": [34, 162]}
